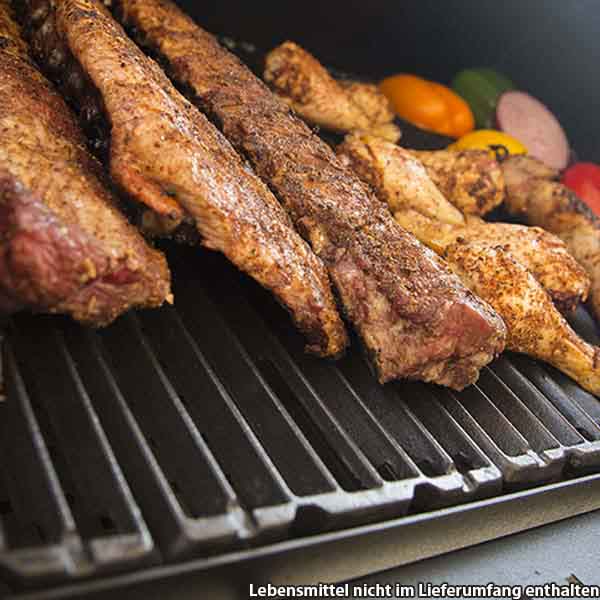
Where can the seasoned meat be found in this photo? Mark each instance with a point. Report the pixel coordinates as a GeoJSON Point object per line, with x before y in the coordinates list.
{"type": "Point", "coordinates": [533, 193]}
{"type": "Point", "coordinates": [302, 82]}
{"type": "Point", "coordinates": [543, 254]}
{"type": "Point", "coordinates": [166, 154]}
{"type": "Point", "coordinates": [504, 264]}
{"type": "Point", "coordinates": [398, 178]}
{"type": "Point", "coordinates": [64, 245]}
{"type": "Point", "coordinates": [534, 325]}
{"type": "Point", "coordinates": [415, 318]}
{"type": "Point", "coordinates": [401, 181]}
{"type": "Point", "coordinates": [470, 179]}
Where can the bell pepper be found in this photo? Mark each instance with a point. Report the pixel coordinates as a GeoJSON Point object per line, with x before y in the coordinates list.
{"type": "Point", "coordinates": [584, 179]}
{"type": "Point", "coordinates": [496, 142]}
{"type": "Point", "coordinates": [428, 104]}
{"type": "Point", "coordinates": [481, 89]}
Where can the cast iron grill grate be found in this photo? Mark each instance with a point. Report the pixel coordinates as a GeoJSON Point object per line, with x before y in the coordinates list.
{"type": "Point", "coordinates": [194, 430]}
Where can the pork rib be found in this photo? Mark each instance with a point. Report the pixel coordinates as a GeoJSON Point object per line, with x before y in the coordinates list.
{"type": "Point", "coordinates": [64, 245]}
{"type": "Point", "coordinates": [414, 316]}
{"type": "Point", "coordinates": [166, 154]}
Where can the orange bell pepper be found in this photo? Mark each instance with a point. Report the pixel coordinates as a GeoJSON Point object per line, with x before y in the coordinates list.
{"type": "Point", "coordinates": [428, 104]}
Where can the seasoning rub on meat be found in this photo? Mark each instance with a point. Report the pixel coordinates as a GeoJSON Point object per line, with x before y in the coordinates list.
{"type": "Point", "coordinates": [414, 316]}
{"type": "Point", "coordinates": [167, 155]}
{"type": "Point", "coordinates": [64, 245]}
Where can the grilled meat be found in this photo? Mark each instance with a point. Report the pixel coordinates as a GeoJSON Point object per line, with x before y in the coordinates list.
{"type": "Point", "coordinates": [401, 181]}
{"type": "Point", "coordinates": [533, 193]}
{"type": "Point", "coordinates": [398, 178]}
{"type": "Point", "coordinates": [501, 263]}
{"type": "Point", "coordinates": [534, 325]}
{"type": "Point", "coordinates": [509, 282]}
{"type": "Point", "coordinates": [470, 179]}
{"type": "Point", "coordinates": [544, 255]}
{"type": "Point", "coordinates": [165, 154]}
{"type": "Point", "coordinates": [64, 245]}
{"type": "Point", "coordinates": [301, 81]}
{"type": "Point", "coordinates": [415, 318]}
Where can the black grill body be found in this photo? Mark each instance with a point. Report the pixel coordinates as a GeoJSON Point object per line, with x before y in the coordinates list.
{"type": "Point", "coordinates": [199, 442]}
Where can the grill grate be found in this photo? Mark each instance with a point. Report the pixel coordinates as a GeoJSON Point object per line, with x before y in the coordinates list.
{"type": "Point", "coordinates": [194, 430]}
{"type": "Point", "coordinates": [200, 429]}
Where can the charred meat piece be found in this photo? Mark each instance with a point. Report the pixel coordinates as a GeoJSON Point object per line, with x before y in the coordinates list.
{"type": "Point", "coordinates": [470, 179]}
{"type": "Point", "coordinates": [415, 318]}
{"type": "Point", "coordinates": [401, 181]}
{"type": "Point", "coordinates": [64, 245]}
{"type": "Point", "coordinates": [302, 82]}
{"type": "Point", "coordinates": [166, 154]}
{"type": "Point", "coordinates": [533, 193]}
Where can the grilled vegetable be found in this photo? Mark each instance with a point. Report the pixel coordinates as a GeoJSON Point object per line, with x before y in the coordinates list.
{"type": "Point", "coordinates": [530, 121]}
{"type": "Point", "coordinates": [497, 142]}
{"type": "Point", "coordinates": [481, 89]}
{"type": "Point", "coordinates": [584, 179]}
{"type": "Point", "coordinates": [428, 104]}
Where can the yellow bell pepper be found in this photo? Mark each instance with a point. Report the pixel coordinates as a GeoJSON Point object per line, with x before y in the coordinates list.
{"type": "Point", "coordinates": [428, 104]}
{"type": "Point", "coordinates": [489, 139]}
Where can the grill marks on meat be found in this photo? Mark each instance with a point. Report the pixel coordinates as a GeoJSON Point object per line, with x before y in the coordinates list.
{"type": "Point", "coordinates": [414, 316]}
{"type": "Point", "coordinates": [64, 245]}
{"type": "Point", "coordinates": [167, 155]}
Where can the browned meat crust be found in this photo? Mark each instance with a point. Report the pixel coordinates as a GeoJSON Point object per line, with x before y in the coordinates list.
{"type": "Point", "coordinates": [470, 179]}
{"type": "Point", "coordinates": [165, 153]}
{"type": "Point", "coordinates": [64, 248]}
{"type": "Point", "coordinates": [303, 82]}
{"type": "Point", "coordinates": [401, 181]}
{"type": "Point", "coordinates": [414, 316]}
{"type": "Point", "coordinates": [533, 193]}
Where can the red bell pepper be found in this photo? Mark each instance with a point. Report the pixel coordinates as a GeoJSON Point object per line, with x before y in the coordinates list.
{"type": "Point", "coordinates": [584, 179]}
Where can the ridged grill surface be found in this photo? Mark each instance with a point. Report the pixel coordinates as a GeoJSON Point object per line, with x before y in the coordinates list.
{"type": "Point", "coordinates": [202, 428]}
{"type": "Point", "coordinates": [194, 430]}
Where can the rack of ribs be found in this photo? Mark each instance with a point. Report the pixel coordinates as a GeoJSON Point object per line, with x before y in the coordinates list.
{"type": "Point", "coordinates": [415, 318]}
{"type": "Point", "coordinates": [164, 153]}
{"type": "Point", "coordinates": [64, 245]}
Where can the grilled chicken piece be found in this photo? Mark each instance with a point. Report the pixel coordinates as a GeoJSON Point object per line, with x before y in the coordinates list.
{"type": "Point", "coordinates": [505, 280]}
{"type": "Point", "coordinates": [401, 181]}
{"type": "Point", "coordinates": [301, 81]}
{"type": "Point", "coordinates": [64, 245]}
{"type": "Point", "coordinates": [415, 318]}
{"type": "Point", "coordinates": [165, 154]}
{"type": "Point", "coordinates": [544, 255]}
{"type": "Point", "coordinates": [533, 193]}
{"type": "Point", "coordinates": [397, 177]}
{"type": "Point", "coordinates": [470, 179]}
{"type": "Point", "coordinates": [534, 325]}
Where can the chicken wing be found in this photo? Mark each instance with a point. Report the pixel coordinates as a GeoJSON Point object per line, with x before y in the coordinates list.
{"type": "Point", "coordinates": [401, 181]}
{"type": "Point", "coordinates": [167, 155]}
{"type": "Point", "coordinates": [470, 179]}
{"type": "Point", "coordinates": [301, 81]}
{"type": "Point", "coordinates": [533, 193]}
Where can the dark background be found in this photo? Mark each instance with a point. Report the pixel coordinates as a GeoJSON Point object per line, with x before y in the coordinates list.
{"type": "Point", "coordinates": [548, 47]}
